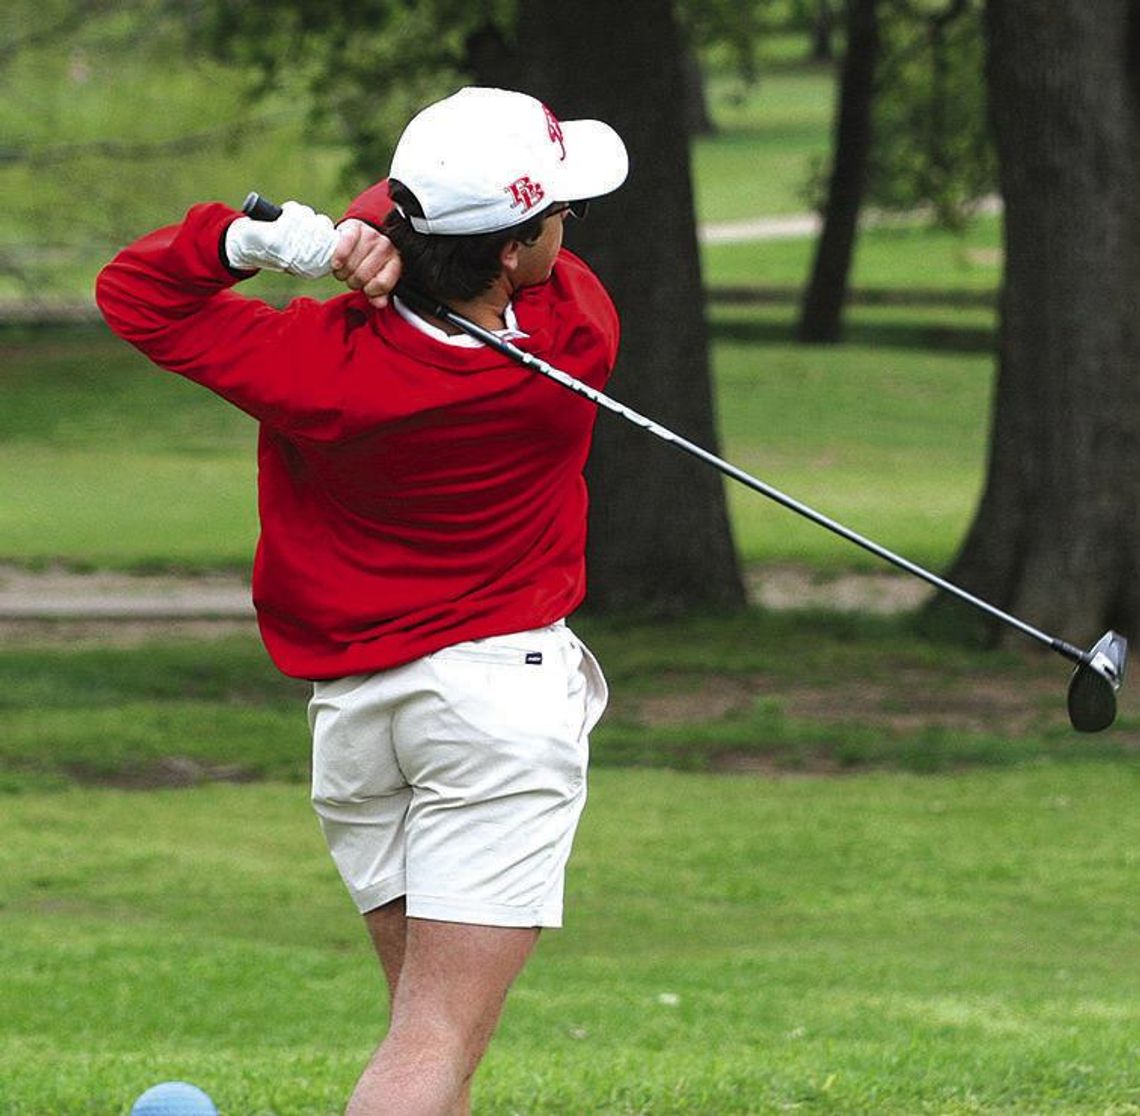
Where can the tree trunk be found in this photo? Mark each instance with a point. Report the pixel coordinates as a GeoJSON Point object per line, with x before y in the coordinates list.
{"type": "Point", "coordinates": [489, 58]}
{"type": "Point", "coordinates": [660, 540]}
{"type": "Point", "coordinates": [821, 317]}
{"type": "Point", "coordinates": [822, 28]}
{"type": "Point", "coordinates": [698, 119]}
{"type": "Point", "coordinates": [1057, 536]}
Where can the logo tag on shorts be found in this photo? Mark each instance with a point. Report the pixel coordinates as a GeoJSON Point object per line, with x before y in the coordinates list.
{"type": "Point", "coordinates": [533, 658]}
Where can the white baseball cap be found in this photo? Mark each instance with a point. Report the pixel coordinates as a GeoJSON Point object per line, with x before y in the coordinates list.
{"type": "Point", "coordinates": [483, 160]}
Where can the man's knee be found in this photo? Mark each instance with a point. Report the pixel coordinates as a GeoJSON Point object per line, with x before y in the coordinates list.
{"type": "Point", "coordinates": [457, 976]}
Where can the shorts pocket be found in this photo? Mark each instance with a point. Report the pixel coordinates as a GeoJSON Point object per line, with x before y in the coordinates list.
{"type": "Point", "coordinates": [597, 689]}
{"type": "Point", "coordinates": [490, 652]}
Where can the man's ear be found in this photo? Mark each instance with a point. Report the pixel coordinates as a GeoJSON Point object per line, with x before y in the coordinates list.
{"type": "Point", "coordinates": [509, 256]}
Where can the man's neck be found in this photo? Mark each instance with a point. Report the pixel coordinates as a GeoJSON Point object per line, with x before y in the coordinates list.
{"type": "Point", "coordinates": [486, 309]}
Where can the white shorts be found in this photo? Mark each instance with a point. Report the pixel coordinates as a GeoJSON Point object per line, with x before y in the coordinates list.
{"type": "Point", "coordinates": [458, 780]}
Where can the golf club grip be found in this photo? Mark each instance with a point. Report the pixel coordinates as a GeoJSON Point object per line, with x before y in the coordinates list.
{"type": "Point", "coordinates": [259, 208]}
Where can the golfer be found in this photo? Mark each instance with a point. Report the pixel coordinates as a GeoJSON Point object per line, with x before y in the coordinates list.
{"type": "Point", "coordinates": [423, 527]}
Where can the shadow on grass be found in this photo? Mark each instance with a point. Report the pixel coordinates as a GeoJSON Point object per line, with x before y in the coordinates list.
{"type": "Point", "coordinates": [880, 335]}
{"type": "Point", "coordinates": [860, 296]}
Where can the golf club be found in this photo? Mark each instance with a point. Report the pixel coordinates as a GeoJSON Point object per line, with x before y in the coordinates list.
{"type": "Point", "coordinates": [1099, 671]}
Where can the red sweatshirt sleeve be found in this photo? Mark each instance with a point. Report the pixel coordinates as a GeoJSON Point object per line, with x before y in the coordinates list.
{"type": "Point", "coordinates": [168, 295]}
{"type": "Point", "coordinates": [372, 206]}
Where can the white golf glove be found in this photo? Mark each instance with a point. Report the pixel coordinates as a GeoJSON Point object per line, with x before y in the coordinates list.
{"type": "Point", "coordinates": [300, 241]}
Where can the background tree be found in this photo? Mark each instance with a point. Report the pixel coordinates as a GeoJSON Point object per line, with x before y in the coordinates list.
{"type": "Point", "coordinates": [81, 133]}
{"type": "Point", "coordinates": [365, 66]}
{"type": "Point", "coordinates": [821, 314]}
{"type": "Point", "coordinates": [910, 131]}
{"type": "Point", "coordinates": [1057, 535]}
{"type": "Point", "coordinates": [932, 141]}
{"type": "Point", "coordinates": [822, 30]}
{"type": "Point", "coordinates": [659, 533]}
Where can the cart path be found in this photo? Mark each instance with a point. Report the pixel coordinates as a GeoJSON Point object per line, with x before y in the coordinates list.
{"type": "Point", "coordinates": [36, 601]}
{"type": "Point", "coordinates": [61, 594]}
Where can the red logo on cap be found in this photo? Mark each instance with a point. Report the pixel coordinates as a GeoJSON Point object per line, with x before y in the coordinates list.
{"type": "Point", "coordinates": [554, 131]}
{"type": "Point", "coordinates": [525, 193]}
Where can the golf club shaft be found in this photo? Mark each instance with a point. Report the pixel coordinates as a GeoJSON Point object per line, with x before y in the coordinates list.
{"type": "Point", "coordinates": [438, 310]}
{"type": "Point", "coordinates": [263, 210]}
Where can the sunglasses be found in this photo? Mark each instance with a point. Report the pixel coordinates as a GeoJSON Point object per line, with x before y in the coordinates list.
{"type": "Point", "coordinates": [576, 209]}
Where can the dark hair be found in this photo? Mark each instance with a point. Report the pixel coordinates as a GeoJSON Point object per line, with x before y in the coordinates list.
{"type": "Point", "coordinates": [449, 267]}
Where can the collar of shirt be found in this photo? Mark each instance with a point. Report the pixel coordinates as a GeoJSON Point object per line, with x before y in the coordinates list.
{"type": "Point", "coordinates": [458, 340]}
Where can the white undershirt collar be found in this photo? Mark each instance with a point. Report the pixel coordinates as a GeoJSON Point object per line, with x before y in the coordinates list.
{"type": "Point", "coordinates": [457, 340]}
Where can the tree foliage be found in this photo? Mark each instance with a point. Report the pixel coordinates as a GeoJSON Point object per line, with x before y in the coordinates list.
{"type": "Point", "coordinates": [365, 65]}
{"type": "Point", "coordinates": [932, 138]}
{"type": "Point", "coordinates": [911, 130]}
{"type": "Point", "coordinates": [110, 122]}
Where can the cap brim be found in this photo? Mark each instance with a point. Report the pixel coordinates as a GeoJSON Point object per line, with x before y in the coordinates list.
{"type": "Point", "coordinates": [596, 161]}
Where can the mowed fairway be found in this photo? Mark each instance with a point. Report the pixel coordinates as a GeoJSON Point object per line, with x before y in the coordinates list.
{"type": "Point", "coordinates": [917, 895]}
{"type": "Point", "coordinates": [886, 943]}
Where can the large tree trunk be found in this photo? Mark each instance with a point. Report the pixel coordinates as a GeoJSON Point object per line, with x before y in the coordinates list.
{"type": "Point", "coordinates": [698, 119]}
{"type": "Point", "coordinates": [1057, 535]}
{"type": "Point", "coordinates": [821, 316]}
{"type": "Point", "coordinates": [659, 532]}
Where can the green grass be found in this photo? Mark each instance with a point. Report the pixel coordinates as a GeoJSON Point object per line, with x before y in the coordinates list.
{"type": "Point", "coordinates": [889, 944]}
{"type": "Point", "coordinates": [898, 259]}
{"type": "Point", "coordinates": [888, 439]}
{"type": "Point", "coordinates": [770, 138]}
{"type": "Point", "coordinates": [776, 692]}
{"type": "Point", "coordinates": [952, 931]}
{"type": "Point", "coordinates": [105, 461]}
{"type": "Point", "coordinates": [887, 432]}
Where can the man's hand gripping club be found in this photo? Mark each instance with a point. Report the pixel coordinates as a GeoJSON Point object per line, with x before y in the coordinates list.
{"type": "Point", "coordinates": [303, 242]}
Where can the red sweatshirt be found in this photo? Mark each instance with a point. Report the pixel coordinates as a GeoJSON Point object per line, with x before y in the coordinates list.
{"type": "Point", "coordinates": [412, 494]}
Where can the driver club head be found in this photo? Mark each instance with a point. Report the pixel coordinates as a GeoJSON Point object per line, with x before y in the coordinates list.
{"type": "Point", "coordinates": [1096, 682]}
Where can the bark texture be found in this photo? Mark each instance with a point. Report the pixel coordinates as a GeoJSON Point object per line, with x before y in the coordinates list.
{"type": "Point", "coordinates": [660, 540]}
{"type": "Point", "coordinates": [821, 317]}
{"type": "Point", "coordinates": [1057, 535]}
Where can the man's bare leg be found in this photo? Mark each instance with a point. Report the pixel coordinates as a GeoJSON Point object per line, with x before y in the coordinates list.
{"type": "Point", "coordinates": [448, 985]}
{"type": "Point", "coordinates": [388, 928]}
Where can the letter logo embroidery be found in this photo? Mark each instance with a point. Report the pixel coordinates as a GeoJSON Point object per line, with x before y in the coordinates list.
{"type": "Point", "coordinates": [525, 193]}
{"type": "Point", "coordinates": [554, 131]}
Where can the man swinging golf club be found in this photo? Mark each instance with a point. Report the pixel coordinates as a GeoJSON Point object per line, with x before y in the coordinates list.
{"type": "Point", "coordinates": [423, 521]}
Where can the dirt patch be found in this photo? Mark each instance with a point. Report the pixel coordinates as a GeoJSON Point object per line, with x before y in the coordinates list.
{"type": "Point", "coordinates": [911, 699]}
{"type": "Point", "coordinates": [787, 587]}
{"type": "Point", "coordinates": [59, 593]}
{"type": "Point", "coordinates": [117, 633]}
{"type": "Point", "coordinates": [715, 697]}
{"type": "Point", "coordinates": [169, 772]}
{"type": "Point", "coordinates": [914, 699]}
{"type": "Point", "coordinates": [62, 606]}
{"type": "Point", "coordinates": [811, 766]}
